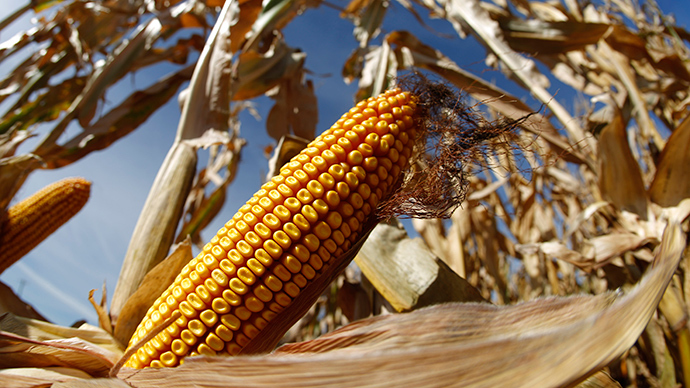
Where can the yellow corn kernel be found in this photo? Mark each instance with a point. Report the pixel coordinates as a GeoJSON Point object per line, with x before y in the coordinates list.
{"type": "Point", "coordinates": [288, 234]}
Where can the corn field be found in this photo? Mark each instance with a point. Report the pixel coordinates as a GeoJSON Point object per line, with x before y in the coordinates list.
{"type": "Point", "coordinates": [531, 234]}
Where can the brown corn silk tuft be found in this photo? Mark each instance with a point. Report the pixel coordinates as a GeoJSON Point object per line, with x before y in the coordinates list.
{"type": "Point", "coordinates": [30, 221]}
{"type": "Point", "coordinates": [269, 263]}
{"type": "Point", "coordinates": [453, 136]}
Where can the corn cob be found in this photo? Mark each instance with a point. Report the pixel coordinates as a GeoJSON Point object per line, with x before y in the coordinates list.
{"type": "Point", "coordinates": [288, 235]}
{"type": "Point", "coordinates": [32, 220]}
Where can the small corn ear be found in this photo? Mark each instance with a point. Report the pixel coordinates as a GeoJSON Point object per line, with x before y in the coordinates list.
{"type": "Point", "coordinates": [30, 221]}
{"type": "Point", "coordinates": [285, 237]}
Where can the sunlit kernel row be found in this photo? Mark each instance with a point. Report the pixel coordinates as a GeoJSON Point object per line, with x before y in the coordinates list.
{"type": "Point", "coordinates": [283, 237]}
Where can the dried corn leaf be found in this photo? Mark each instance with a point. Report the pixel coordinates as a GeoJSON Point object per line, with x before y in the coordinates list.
{"type": "Point", "coordinates": [538, 37]}
{"type": "Point", "coordinates": [620, 179]}
{"type": "Point", "coordinates": [546, 342]}
{"type": "Point", "coordinates": [380, 68]}
{"type": "Point", "coordinates": [152, 286]}
{"type": "Point", "coordinates": [43, 331]}
{"type": "Point", "coordinates": [259, 72]}
{"type": "Point", "coordinates": [288, 147]}
{"type": "Point", "coordinates": [627, 74]}
{"type": "Point", "coordinates": [368, 22]}
{"type": "Point", "coordinates": [599, 380]}
{"type": "Point", "coordinates": [242, 22]}
{"type": "Point", "coordinates": [407, 274]}
{"type": "Point", "coordinates": [17, 381]}
{"type": "Point", "coordinates": [671, 184]}
{"type": "Point", "coordinates": [11, 303]}
{"type": "Point", "coordinates": [46, 106]}
{"type": "Point", "coordinates": [202, 214]}
{"type": "Point", "coordinates": [118, 122]}
{"type": "Point", "coordinates": [102, 310]}
{"type": "Point", "coordinates": [18, 350]}
{"type": "Point", "coordinates": [275, 15]}
{"type": "Point", "coordinates": [603, 249]}
{"type": "Point", "coordinates": [616, 244]}
{"type": "Point", "coordinates": [47, 373]}
{"type": "Point", "coordinates": [556, 250]}
{"type": "Point", "coordinates": [295, 110]}
{"type": "Point", "coordinates": [93, 383]}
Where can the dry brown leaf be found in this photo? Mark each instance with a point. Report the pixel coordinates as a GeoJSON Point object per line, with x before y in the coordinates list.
{"type": "Point", "coordinates": [15, 381]}
{"type": "Point", "coordinates": [407, 274]}
{"type": "Point", "coordinates": [11, 303]}
{"type": "Point", "coordinates": [379, 71]}
{"type": "Point", "coordinates": [44, 375]}
{"type": "Point", "coordinates": [538, 37]}
{"type": "Point", "coordinates": [117, 122]}
{"type": "Point", "coordinates": [671, 184]}
{"type": "Point", "coordinates": [295, 110]}
{"type": "Point", "coordinates": [42, 331]}
{"type": "Point", "coordinates": [599, 380]}
{"type": "Point", "coordinates": [152, 286]}
{"type": "Point", "coordinates": [257, 72]}
{"type": "Point", "coordinates": [557, 250]}
{"type": "Point", "coordinates": [274, 16]}
{"type": "Point", "coordinates": [202, 213]}
{"type": "Point", "coordinates": [243, 22]}
{"type": "Point", "coordinates": [603, 249]}
{"type": "Point", "coordinates": [93, 383]}
{"type": "Point", "coordinates": [627, 73]}
{"type": "Point", "coordinates": [101, 311]}
{"type": "Point", "coordinates": [288, 147]}
{"type": "Point", "coordinates": [620, 179]}
{"type": "Point", "coordinates": [18, 350]}
{"type": "Point", "coordinates": [614, 245]}
{"type": "Point", "coordinates": [546, 343]}
{"type": "Point", "coordinates": [369, 20]}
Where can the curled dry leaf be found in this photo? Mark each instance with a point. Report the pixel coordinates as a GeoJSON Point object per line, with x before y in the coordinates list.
{"type": "Point", "coordinates": [102, 310]}
{"type": "Point", "coordinates": [546, 342]}
{"type": "Point", "coordinates": [41, 331]}
{"type": "Point", "coordinates": [30, 343]}
{"type": "Point", "coordinates": [615, 244]}
{"type": "Point", "coordinates": [603, 249]}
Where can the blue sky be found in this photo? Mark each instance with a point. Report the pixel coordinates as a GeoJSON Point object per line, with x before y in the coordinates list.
{"type": "Point", "coordinates": [57, 275]}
